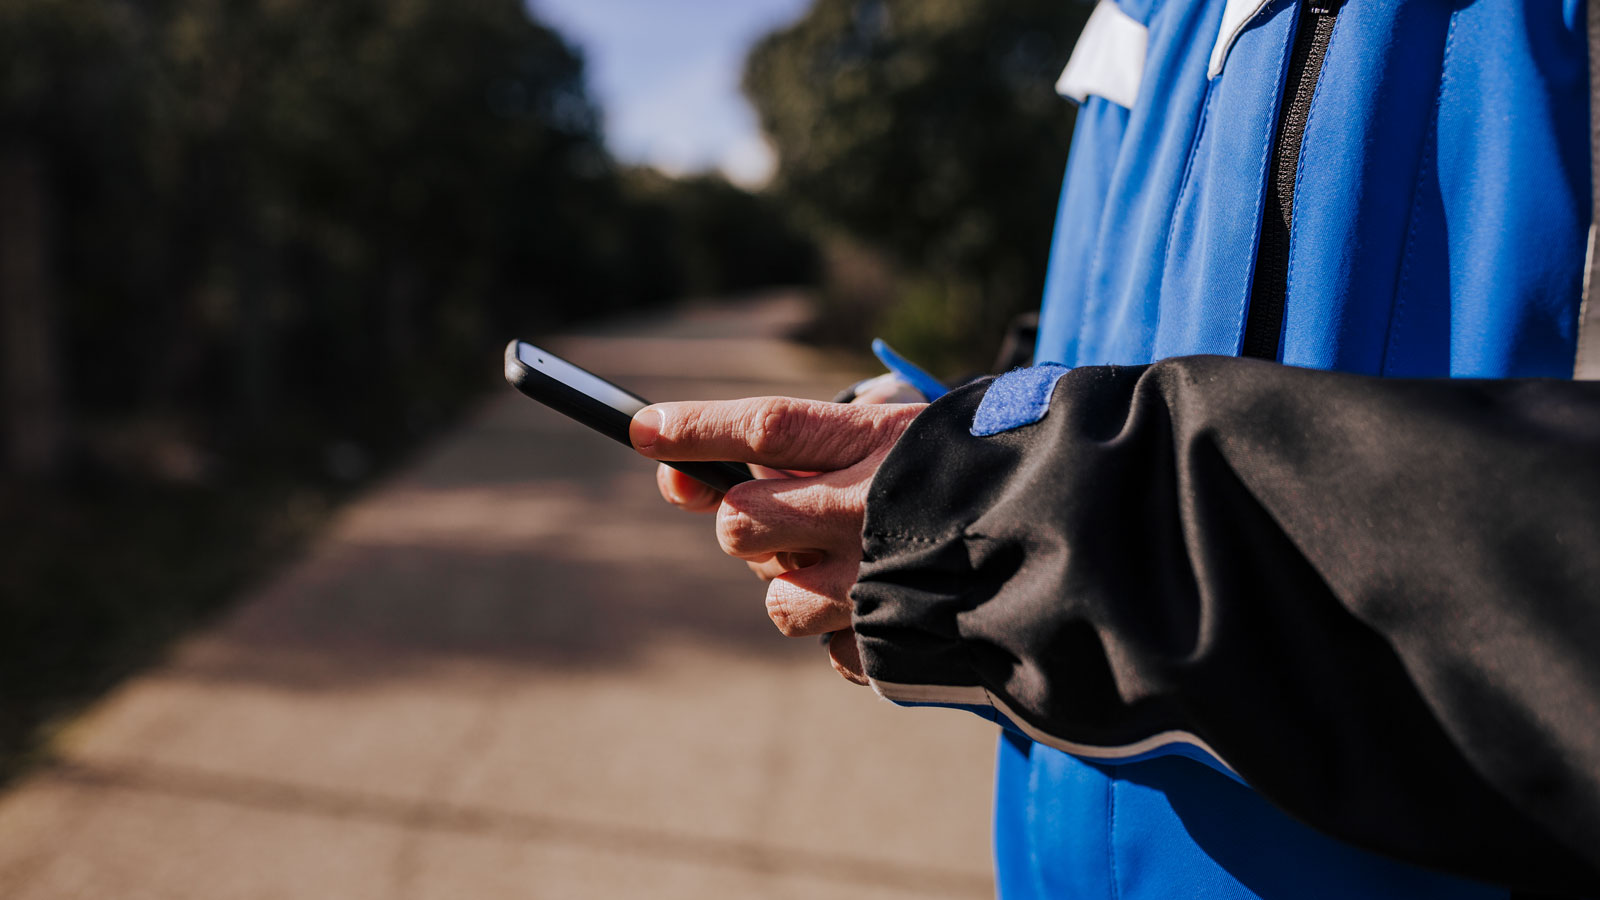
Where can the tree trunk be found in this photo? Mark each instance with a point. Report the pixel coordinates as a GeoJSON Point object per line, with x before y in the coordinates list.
{"type": "Point", "coordinates": [30, 363]}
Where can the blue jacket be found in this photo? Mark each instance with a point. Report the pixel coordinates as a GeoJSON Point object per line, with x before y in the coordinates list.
{"type": "Point", "coordinates": [1441, 200]}
{"type": "Point", "coordinates": [1440, 214]}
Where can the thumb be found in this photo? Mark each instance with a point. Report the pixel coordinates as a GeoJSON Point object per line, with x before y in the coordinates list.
{"type": "Point", "coordinates": [845, 654]}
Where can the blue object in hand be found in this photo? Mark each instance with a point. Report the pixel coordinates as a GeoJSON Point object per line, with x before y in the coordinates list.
{"type": "Point", "coordinates": [908, 371]}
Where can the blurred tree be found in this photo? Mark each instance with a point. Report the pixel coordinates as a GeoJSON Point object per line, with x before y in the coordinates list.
{"type": "Point", "coordinates": [929, 129]}
{"type": "Point", "coordinates": [249, 250]}
{"type": "Point", "coordinates": [62, 85]}
{"type": "Point", "coordinates": [344, 178]}
{"type": "Point", "coordinates": [715, 237]}
{"type": "Point", "coordinates": [285, 222]}
{"type": "Point", "coordinates": [200, 189]}
{"type": "Point", "coordinates": [32, 378]}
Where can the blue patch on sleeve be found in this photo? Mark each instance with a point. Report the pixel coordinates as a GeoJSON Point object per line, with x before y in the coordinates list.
{"type": "Point", "coordinates": [1017, 398]}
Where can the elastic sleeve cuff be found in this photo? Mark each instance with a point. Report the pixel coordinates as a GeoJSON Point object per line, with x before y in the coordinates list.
{"type": "Point", "coordinates": [916, 579]}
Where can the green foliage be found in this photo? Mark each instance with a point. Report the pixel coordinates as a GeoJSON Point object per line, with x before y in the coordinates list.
{"type": "Point", "coordinates": [941, 324]}
{"type": "Point", "coordinates": [716, 239]}
{"type": "Point", "coordinates": [280, 241]}
{"type": "Point", "coordinates": [290, 221]}
{"type": "Point", "coordinates": [930, 130]}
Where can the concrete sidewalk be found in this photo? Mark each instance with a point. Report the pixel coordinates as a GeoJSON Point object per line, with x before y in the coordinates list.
{"type": "Point", "coordinates": [511, 671]}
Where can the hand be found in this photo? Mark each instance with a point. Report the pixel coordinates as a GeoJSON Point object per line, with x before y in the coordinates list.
{"type": "Point", "coordinates": [802, 533]}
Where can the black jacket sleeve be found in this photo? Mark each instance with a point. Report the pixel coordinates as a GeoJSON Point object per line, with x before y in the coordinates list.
{"type": "Point", "coordinates": [1377, 600]}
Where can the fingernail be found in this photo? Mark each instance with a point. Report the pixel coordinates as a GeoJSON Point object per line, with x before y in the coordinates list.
{"type": "Point", "coordinates": [645, 428]}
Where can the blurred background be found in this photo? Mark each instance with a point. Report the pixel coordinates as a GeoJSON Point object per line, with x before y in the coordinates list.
{"type": "Point", "coordinates": [258, 256]}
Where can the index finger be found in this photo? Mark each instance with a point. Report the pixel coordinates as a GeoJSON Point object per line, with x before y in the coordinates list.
{"type": "Point", "coordinates": [782, 432]}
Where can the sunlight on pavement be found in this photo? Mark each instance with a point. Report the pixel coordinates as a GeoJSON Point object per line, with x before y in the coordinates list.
{"type": "Point", "coordinates": [512, 671]}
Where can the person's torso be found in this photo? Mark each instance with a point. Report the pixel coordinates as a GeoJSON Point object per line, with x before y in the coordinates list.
{"type": "Point", "coordinates": [1439, 209]}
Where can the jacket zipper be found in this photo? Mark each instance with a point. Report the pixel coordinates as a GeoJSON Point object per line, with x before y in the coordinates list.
{"type": "Point", "coordinates": [1265, 322]}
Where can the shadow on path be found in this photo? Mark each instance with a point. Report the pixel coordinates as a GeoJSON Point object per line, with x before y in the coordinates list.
{"type": "Point", "coordinates": [511, 670]}
{"type": "Point", "coordinates": [928, 881]}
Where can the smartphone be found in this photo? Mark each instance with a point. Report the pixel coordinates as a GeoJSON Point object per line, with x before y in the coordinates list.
{"type": "Point", "coordinates": [587, 398]}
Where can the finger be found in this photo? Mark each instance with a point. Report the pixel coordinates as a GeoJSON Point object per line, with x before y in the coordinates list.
{"type": "Point", "coordinates": [780, 432]}
{"type": "Point", "coordinates": [777, 564]}
{"type": "Point", "coordinates": [886, 389]}
{"type": "Point", "coordinates": [812, 600]}
{"type": "Point", "coordinates": [684, 492]}
{"type": "Point", "coordinates": [845, 654]}
{"type": "Point", "coordinates": [764, 472]}
{"type": "Point", "coordinates": [760, 518]}
{"type": "Point", "coordinates": [767, 569]}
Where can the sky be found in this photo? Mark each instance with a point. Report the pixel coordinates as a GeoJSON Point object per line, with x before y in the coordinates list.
{"type": "Point", "coordinates": [666, 73]}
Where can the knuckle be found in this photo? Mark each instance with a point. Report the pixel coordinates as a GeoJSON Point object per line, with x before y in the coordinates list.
{"type": "Point", "coordinates": [680, 424]}
{"type": "Point", "coordinates": [780, 610]}
{"type": "Point", "coordinates": [736, 528]}
{"type": "Point", "coordinates": [887, 428]}
{"type": "Point", "coordinates": [851, 505]}
{"type": "Point", "coordinates": [773, 428]}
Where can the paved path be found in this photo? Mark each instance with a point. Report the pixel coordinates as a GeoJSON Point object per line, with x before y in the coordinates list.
{"type": "Point", "coordinates": [510, 671]}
